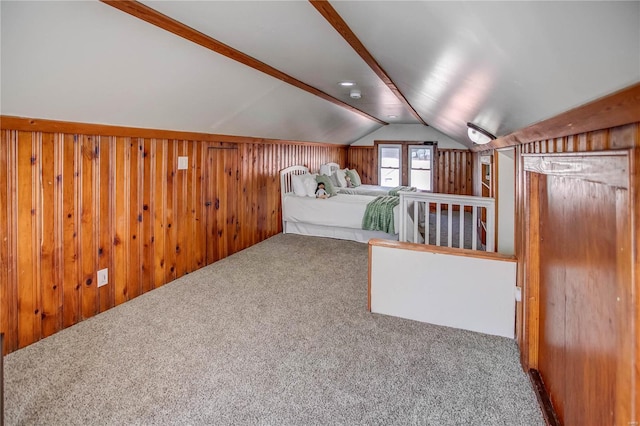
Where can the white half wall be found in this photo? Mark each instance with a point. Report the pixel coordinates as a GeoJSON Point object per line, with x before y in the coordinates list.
{"type": "Point", "coordinates": [409, 132]}
{"type": "Point", "coordinates": [460, 291]}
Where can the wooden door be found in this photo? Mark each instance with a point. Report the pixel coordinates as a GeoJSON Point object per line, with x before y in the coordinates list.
{"type": "Point", "coordinates": [221, 202]}
{"type": "Point", "coordinates": [580, 287]}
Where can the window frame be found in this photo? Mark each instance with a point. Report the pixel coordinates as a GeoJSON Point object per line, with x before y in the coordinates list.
{"type": "Point", "coordinates": [400, 162]}
{"type": "Point", "coordinates": [410, 168]}
{"type": "Point", "coordinates": [404, 178]}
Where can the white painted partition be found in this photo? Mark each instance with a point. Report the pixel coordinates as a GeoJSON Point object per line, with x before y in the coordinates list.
{"type": "Point", "coordinates": [458, 288]}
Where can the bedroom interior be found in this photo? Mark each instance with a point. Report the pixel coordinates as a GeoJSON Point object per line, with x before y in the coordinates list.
{"type": "Point", "coordinates": [155, 152]}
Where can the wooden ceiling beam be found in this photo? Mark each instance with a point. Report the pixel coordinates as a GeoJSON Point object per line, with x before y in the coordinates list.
{"type": "Point", "coordinates": [156, 18]}
{"type": "Point", "coordinates": [616, 109]}
{"type": "Point", "coordinates": [336, 21]}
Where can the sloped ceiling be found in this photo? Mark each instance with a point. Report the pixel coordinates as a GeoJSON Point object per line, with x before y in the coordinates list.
{"type": "Point", "coordinates": [501, 65]}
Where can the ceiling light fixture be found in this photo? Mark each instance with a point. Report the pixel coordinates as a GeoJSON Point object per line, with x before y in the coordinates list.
{"type": "Point", "coordinates": [346, 83]}
{"type": "Point", "coordinates": [392, 116]}
{"type": "Point", "coordinates": [355, 94]}
{"type": "Point", "coordinates": [478, 135]}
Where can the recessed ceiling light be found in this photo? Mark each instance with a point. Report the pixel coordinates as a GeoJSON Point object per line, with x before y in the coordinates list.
{"type": "Point", "coordinates": [392, 116]}
{"type": "Point", "coordinates": [346, 83]}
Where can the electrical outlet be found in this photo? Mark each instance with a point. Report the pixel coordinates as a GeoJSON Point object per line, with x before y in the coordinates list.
{"type": "Point", "coordinates": [103, 277]}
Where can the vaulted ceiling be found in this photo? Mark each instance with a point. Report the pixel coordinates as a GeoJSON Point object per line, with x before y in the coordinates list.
{"type": "Point", "coordinates": [271, 68]}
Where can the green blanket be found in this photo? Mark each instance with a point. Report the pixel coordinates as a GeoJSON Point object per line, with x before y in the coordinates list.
{"type": "Point", "coordinates": [397, 189]}
{"type": "Point", "coordinates": [379, 214]}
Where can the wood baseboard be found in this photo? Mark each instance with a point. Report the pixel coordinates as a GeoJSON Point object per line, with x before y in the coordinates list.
{"type": "Point", "coordinates": [543, 398]}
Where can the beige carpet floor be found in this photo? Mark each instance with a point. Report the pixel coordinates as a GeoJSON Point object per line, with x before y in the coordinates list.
{"type": "Point", "coordinates": [277, 334]}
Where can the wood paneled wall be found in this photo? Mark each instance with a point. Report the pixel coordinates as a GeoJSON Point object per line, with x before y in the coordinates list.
{"type": "Point", "coordinates": [570, 370]}
{"type": "Point", "coordinates": [454, 168]}
{"type": "Point", "coordinates": [363, 159]}
{"type": "Point", "coordinates": [454, 171]}
{"type": "Point", "coordinates": [73, 203]}
{"type": "Point", "coordinates": [620, 137]}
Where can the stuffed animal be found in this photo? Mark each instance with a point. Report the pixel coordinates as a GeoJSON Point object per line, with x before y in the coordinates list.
{"type": "Point", "coordinates": [349, 184]}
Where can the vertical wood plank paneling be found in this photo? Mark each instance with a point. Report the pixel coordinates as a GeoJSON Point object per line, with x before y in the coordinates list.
{"type": "Point", "coordinates": [262, 195]}
{"type": "Point", "coordinates": [254, 194]}
{"type": "Point", "coordinates": [88, 214]}
{"type": "Point", "coordinates": [571, 362]}
{"type": "Point", "coordinates": [146, 231]}
{"type": "Point", "coordinates": [199, 237]}
{"type": "Point", "coordinates": [181, 223]}
{"type": "Point", "coordinates": [28, 182]}
{"type": "Point", "coordinates": [221, 205]}
{"type": "Point", "coordinates": [106, 150]}
{"type": "Point", "coordinates": [454, 172]}
{"type": "Point", "coordinates": [81, 203]}
{"type": "Point", "coordinates": [71, 285]}
{"type": "Point", "coordinates": [135, 217]}
{"type": "Point", "coordinates": [159, 211]}
{"type": "Point", "coordinates": [8, 235]}
{"type": "Point", "coordinates": [170, 235]}
{"type": "Point", "coordinates": [231, 179]}
{"type": "Point", "coordinates": [275, 182]}
{"type": "Point", "coordinates": [244, 191]}
{"type": "Point", "coordinates": [187, 245]}
{"type": "Point", "coordinates": [51, 244]}
{"type": "Point", "coordinates": [363, 159]}
{"type": "Point", "coordinates": [121, 239]}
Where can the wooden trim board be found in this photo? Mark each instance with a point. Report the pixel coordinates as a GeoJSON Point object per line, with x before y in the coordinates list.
{"type": "Point", "coordinates": [56, 126]}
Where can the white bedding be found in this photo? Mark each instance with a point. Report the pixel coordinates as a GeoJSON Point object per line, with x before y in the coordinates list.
{"type": "Point", "coordinates": [372, 190]}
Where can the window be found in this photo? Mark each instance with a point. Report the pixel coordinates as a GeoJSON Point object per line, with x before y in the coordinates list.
{"type": "Point", "coordinates": [407, 163]}
{"type": "Point", "coordinates": [389, 165]}
{"type": "Point", "coordinates": [421, 167]}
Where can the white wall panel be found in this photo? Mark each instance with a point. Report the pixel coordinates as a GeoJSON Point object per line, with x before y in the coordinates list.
{"type": "Point", "coordinates": [410, 132]}
{"type": "Point", "coordinates": [455, 291]}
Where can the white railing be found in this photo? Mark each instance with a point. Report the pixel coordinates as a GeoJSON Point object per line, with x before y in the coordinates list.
{"type": "Point", "coordinates": [420, 205]}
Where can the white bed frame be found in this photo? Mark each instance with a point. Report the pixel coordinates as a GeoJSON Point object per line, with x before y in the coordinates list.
{"type": "Point", "coordinates": [334, 166]}
{"type": "Point", "coordinates": [286, 186]}
{"type": "Point", "coordinates": [312, 229]}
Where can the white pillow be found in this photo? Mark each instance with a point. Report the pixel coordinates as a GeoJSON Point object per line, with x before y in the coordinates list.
{"type": "Point", "coordinates": [310, 184]}
{"type": "Point", "coordinates": [325, 169]}
{"type": "Point", "coordinates": [297, 182]}
{"type": "Point", "coordinates": [340, 176]}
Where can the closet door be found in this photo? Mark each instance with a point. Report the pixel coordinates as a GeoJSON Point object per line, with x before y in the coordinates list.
{"type": "Point", "coordinates": [221, 202]}
{"type": "Point", "coordinates": [580, 287]}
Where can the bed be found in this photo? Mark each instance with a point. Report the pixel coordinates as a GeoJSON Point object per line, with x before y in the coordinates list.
{"type": "Point", "coordinates": [364, 189]}
{"type": "Point", "coordinates": [339, 216]}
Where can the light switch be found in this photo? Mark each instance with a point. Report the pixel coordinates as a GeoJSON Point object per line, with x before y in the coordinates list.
{"type": "Point", "coordinates": [183, 163]}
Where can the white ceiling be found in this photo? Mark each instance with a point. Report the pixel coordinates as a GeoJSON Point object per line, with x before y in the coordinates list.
{"type": "Point", "coordinates": [501, 65]}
